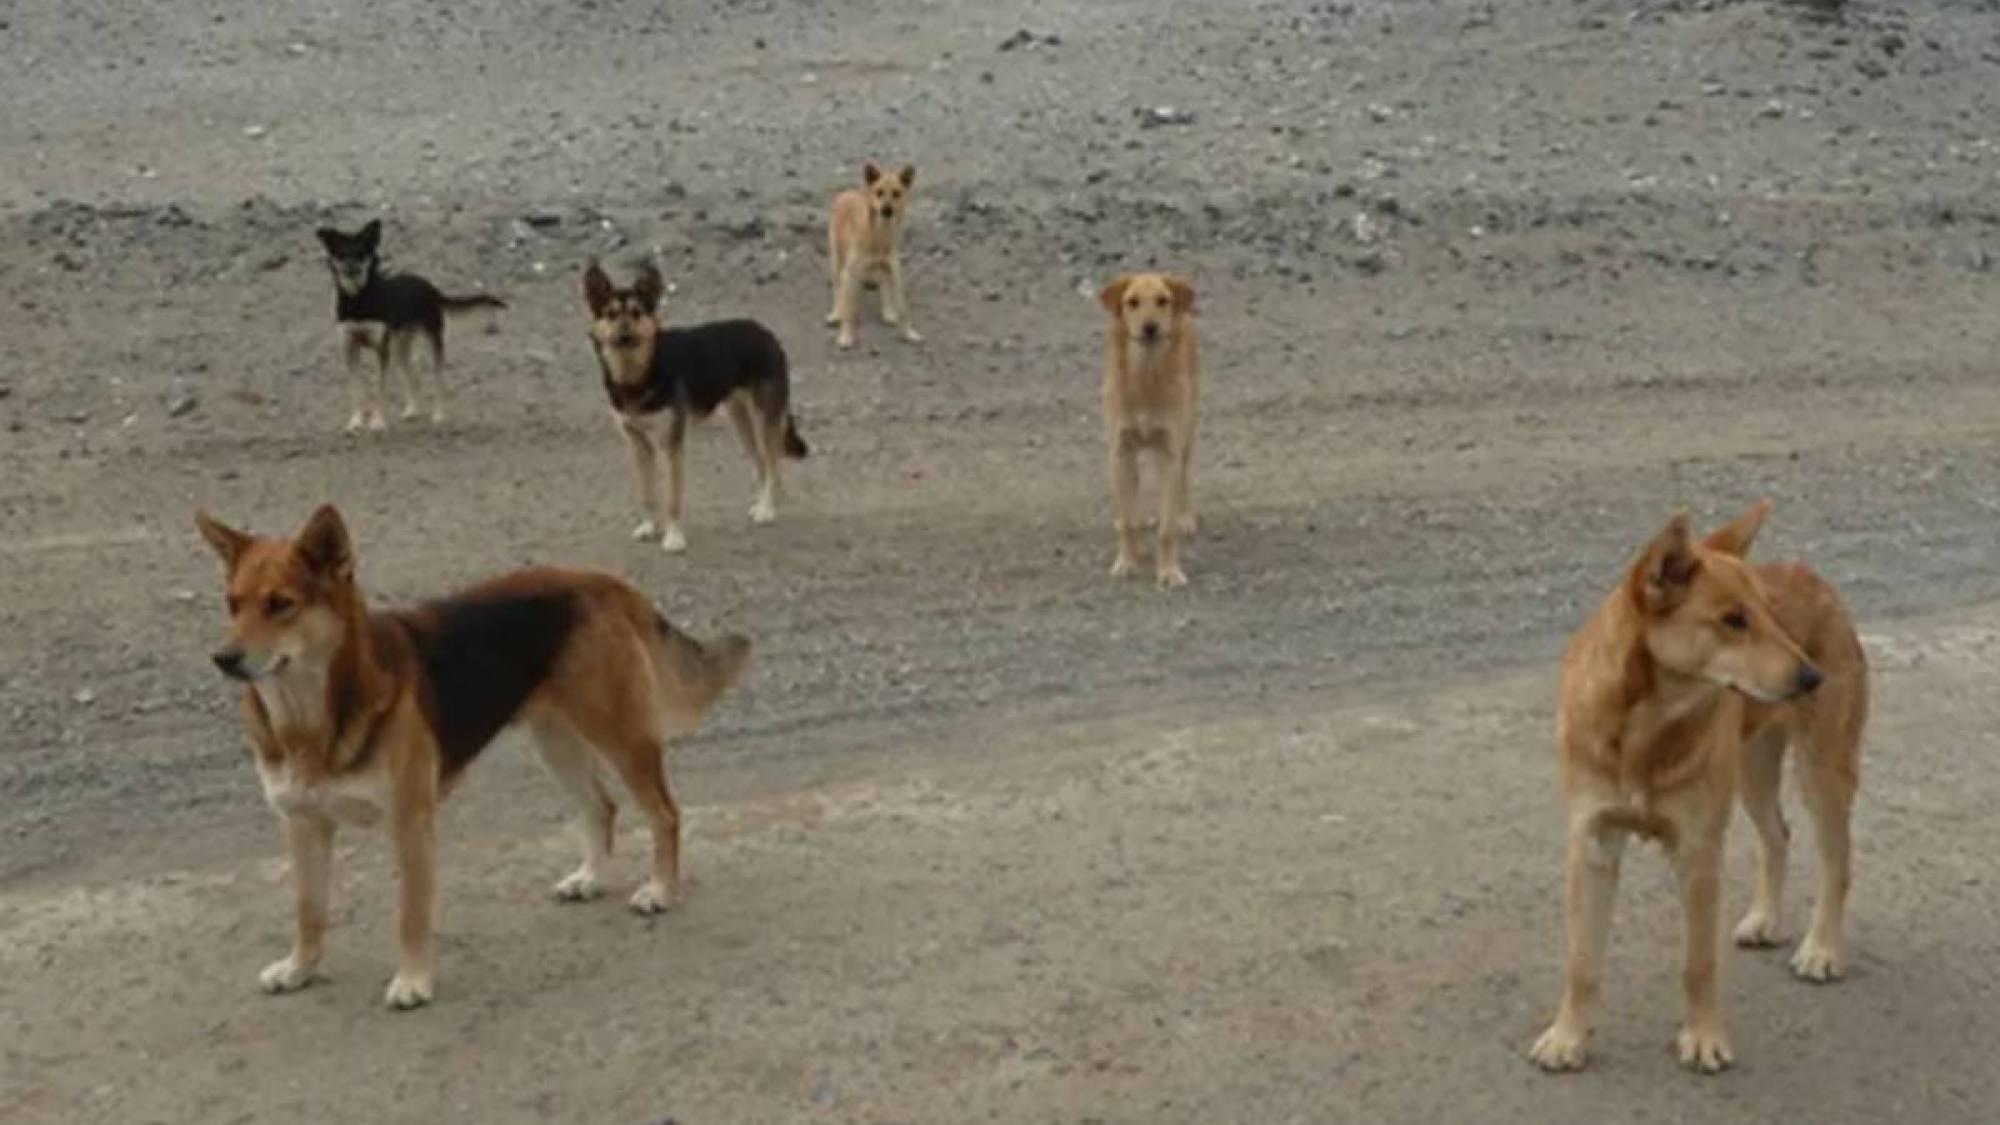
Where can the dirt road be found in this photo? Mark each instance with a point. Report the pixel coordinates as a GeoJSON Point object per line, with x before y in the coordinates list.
{"type": "Point", "coordinates": [987, 836]}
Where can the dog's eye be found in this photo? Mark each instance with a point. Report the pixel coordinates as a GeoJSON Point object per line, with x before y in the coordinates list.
{"type": "Point", "coordinates": [1131, 302]}
{"type": "Point", "coordinates": [277, 605]}
{"type": "Point", "coordinates": [1735, 619]}
{"type": "Point", "coordinates": [1160, 302]}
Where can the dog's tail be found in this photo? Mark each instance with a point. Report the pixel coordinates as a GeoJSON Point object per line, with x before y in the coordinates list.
{"type": "Point", "coordinates": [795, 446]}
{"type": "Point", "coordinates": [472, 301]}
{"type": "Point", "coordinates": [704, 669]}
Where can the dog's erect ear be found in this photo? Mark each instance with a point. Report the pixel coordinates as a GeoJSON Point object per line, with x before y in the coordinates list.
{"type": "Point", "coordinates": [370, 236]}
{"type": "Point", "coordinates": [1111, 295]}
{"type": "Point", "coordinates": [1183, 293]}
{"type": "Point", "coordinates": [650, 286]}
{"type": "Point", "coordinates": [1735, 537]}
{"type": "Point", "coordinates": [331, 239]}
{"type": "Point", "coordinates": [596, 288]}
{"type": "Point", "coordinates": [228, 542]}
{"type": "Point", "coordinates": [1669, 566]}
{"type": "Point", "coordinates": [908, 175]}
{"type": "Point", "coordinates": [870, 173]}
{"type": "Point", "coordinates": [323, 546]}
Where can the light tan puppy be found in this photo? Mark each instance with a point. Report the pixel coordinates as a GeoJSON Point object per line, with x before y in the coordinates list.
{"type": "Point", "coordinates": [863, 237]}
{"type": "Point", "coordinates": [1152, 393]}
{"type": "Point", "coordinates": [1697, 669]}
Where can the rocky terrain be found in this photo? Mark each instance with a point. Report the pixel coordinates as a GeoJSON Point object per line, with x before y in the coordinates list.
{"type": "Point", "coordinates": [1486, 288]}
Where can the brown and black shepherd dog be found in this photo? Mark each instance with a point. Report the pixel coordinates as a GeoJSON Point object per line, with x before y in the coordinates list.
{"type": "Point", "coordinates": [660, 379]}
{"type": "Point", "coordinates": [371, 717]}
{"type": "Point", "coordinates": [1692, 679]}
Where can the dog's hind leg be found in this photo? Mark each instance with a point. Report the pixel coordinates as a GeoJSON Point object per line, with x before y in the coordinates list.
{"type": "Point", "coordinates": [1761, 769]}
{"type": "Point", "coordinates": [415, 832]}
{"type": "Point", "coordinates": [1590, 884]}
{"type": "Point", "coordinates": [1828, 786]}
{"type": "Point", "coordinates": [896, 304]}
{"type": "Point", "coordinates": [378, 419]}
{"type": "Point", "coordinates": [571, 761]}
{"type": "Point", "coordinates": [1185, 522]}
{"type": "Point", "coordinates": [846, 295]}
{"type": "Point", "coordinates": [640, 756]}
{"type": "Point", "coordinates": [402, 346]}
{"type": "Point", "coordinates": [671, 538]}
{"type": "Point", "coordinates": [439, 388]}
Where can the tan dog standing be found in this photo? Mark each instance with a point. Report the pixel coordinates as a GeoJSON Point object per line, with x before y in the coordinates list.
{"type": "Point", "coordinates": [1699, 669]}
{"type": "Point", "coordinates": [365, 717]}
{"type": "Point", "coordinates": [1152, 393]}
{"type": "Point", "coordinates": [864, 236]}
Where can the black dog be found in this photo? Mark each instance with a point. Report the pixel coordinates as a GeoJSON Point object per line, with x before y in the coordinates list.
{"type": "Point", "coordinates": [658, 379]}
{"type": "Point", "coordinates": [386, 314]}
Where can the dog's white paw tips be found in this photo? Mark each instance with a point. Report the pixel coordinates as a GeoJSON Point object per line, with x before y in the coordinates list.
{"type": "Point", "coordinates": [763, 511]}
{"type": "Point", "coordinates": [1816, 963]}
{"type": "Point", "coordinates": [647, 529]}
{"type": "Point", "coordinates": [1705, 1051]}
{"type": "Point", "coordinates": [1123, 567]}
{"type": "Point", "coordinates": [1756, 931]}
{"type": "Point", "coordinates": [1559, 1049]}
{"type": "Point", "coordinates": [288, 975]}
{"type": "Point", "coordinates": [672, 541]}
{"type": "Point", "coordinates": [407, 991]}
{"type": "Point", "coordinates": [1171, 578]}
{"type": "Point", "coordinates": [652, 897]}
{"type": "Point", "coordinates": [578, 886]}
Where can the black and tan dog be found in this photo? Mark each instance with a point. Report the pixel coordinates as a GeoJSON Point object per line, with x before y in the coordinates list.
{"type": "Point", "coordinates": [658, 379]}
{"type": "Point", "coordinates": [385, 314]}
{"type": "Point", "coordinates": [371, 717]}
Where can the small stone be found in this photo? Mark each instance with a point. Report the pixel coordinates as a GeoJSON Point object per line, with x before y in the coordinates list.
{"type": "Point", "coordinates": [255, 131]}
{"type": "Point", "coordinates": [1378, 113]}
{"type": "Point", "coordinates": [1154, 117]}
{"type": "Point", "coordinates": [181, 405]}
{"type": "Point", "coordinates": [84, 697]}
{"type": "Point", "coordinates": [1772, 109]}
{"type": "Point", "coordinates": [543, 217]}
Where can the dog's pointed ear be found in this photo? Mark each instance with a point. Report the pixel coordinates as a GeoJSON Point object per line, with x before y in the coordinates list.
{"type": "Point", "coordinates": [596, 287]}
{"type": "Point", "coordinates": [650, 286]}
{"type": "Point", "coordinates": [1735, 537]}
{"type": "Point", "coordinates": [324, 546]}
{"type": "Point", "coordinates": [371, 235]}
{"type": "Point", "coordinates": [908, 175]}
{"type": "Point", "coordinates": [1668, 567]}
{"type": "Point", "coordinates": [870, 173]}
{"type": "Point", "coordinates": [228, 542]}
{"type": "Point", "coordinates": [1183, 293]}
{"type": "Point", "coordinates": [1111, 295]}
{"type": "Point", "coordinates": [329, 238]}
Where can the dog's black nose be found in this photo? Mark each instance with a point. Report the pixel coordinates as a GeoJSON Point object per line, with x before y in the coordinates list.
{"type": "Point", "coordinates": [230, 660]}
{"type": "Point", "coordinates": [1149, 331]}
{"type": "Point", "coordinates": [1809, 678]}
{"type": "Point", "coordinates": [888, 212]}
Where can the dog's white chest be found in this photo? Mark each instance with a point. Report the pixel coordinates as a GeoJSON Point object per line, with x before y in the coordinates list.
{"type": "Point", "coordinates": [352, 800]}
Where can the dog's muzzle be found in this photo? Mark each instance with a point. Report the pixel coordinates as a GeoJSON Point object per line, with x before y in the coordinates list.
{"type": "Point", "coordinates": [888, 212]}
{"type": "Point", "coordinates": [235, 663]}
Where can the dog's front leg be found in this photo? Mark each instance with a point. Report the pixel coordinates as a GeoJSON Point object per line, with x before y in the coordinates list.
{"type": "Point", "coordinates": [354, 347]}
{"type": "Point", "coordinates": [415, 831]}
{"type": "Point", "coordinates": [1703, 1043]}
{"type": "Point", "coordinates": [1173, 499]}
{"type": "Point", "coordinates": [645, 463]}
{"type": "Point", "coordinates": [309, 841]}
{"type": "Point", "coordinates": [847, 293]}
{"type": "Point", "coordinates": [1590, 884]}
{"type": "Point", "coordinates": [1124, 491]}
{"type": "Point", "coordinates": [896, 303]}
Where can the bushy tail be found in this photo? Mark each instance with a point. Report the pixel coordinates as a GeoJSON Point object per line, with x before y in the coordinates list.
{"type": "Point", "coordinates": [795, 446]}
{"type": "Point", "coordinates": [702, 669]}
{"type": "Point", "coordinates": [473, 301]}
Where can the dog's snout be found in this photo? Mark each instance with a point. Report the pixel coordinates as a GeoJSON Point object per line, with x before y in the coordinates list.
{"type": "Point", "coordinates": [1809, 678]}
{"type": "Point", "coordinates": [1150, 330]}
{"type": "Point", "coordinates": [888, 211]}
{"type": "Point", "coordinates": [230, 661]}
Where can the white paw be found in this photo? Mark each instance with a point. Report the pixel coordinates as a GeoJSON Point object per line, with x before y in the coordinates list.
{"type": "Point", "coordinates": [912, 335]}
{"type": "Point", "coordinates": [437, 416]}
{"type": "Point", "coordinates": [890, 318]}
{"type": "Point", "coordinates": [1705, 1051]}
{"type": "Point", "coordinates": [652, 897]}
{"type": "Point", "coordinates": [288, 975]}
{"type": "Point", "coordinates": [845, 340]}
{"type": "Point", "coordinates": [377, 422]}
{"type": "Point", "coordinates": [1817, 962]}
{"type": "Point", "coordinates": [1186, 527]}
{"type": "Point", "coordinates": [411, 409]}
{"type": "Point", "coordinates": [1757, 931]}
{"type": "Point", "coordinates": [578, 886]}
{"type": "Point", "coordinates": [647, 529]}
{"type": "Point", "coordinates": [1123, 566]}
{"type": "Point", "coordinates": [355, 421]}
{"type": "Point", "coordinates": [833, 320]}
{"type": "Point", "coordinates": [763, 511]}
{"type": "Point", "coordinates": [1560, 1048]}
{"type": "Point", "coordinates": [672, 541]}
{"type": "Point", "coordinates": [408, 990]}
{"type": "Point", "coordinates": [1171, 577]}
